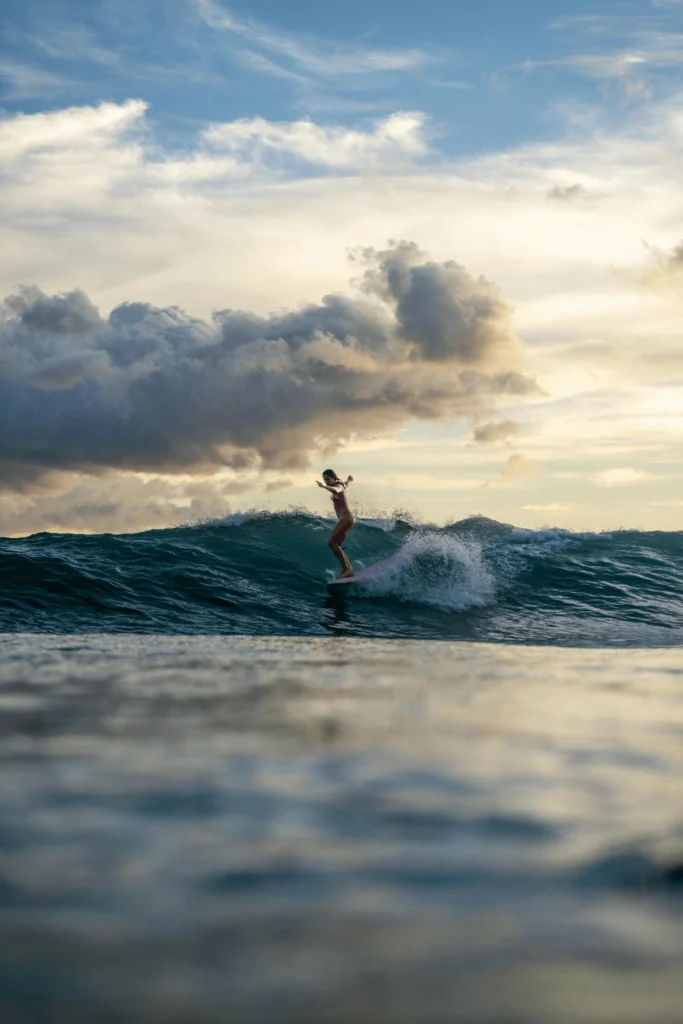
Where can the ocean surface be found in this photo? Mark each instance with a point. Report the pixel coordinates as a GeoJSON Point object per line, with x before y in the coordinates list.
{"type": "Point", "coordinates": [453, 796]}
{"type": "Point", "coordinates": [264, 574]}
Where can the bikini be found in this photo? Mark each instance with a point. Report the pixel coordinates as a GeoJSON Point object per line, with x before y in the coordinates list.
{"type": "Point", "coordinates": [338, 499]}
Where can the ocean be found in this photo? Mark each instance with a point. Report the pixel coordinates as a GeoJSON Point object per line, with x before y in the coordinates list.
{"type": "Point", "coordinates": [264, 575]}
{"type": "Point", "coordinates": [450, 795]}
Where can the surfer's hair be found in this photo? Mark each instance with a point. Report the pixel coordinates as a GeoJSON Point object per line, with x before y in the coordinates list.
{"type": "Point", "coordinates": [330, 472]}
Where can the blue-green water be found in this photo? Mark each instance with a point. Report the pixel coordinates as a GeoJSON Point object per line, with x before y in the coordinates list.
{"type": "Point", "coordinates": [266, 575]}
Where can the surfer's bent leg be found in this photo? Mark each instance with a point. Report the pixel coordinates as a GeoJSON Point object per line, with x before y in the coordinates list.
{"type": "Point", "coordinates": [337, 538]}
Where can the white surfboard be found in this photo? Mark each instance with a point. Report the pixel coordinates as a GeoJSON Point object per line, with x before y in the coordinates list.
{"type": "Point", "coordinates": [376, 569]}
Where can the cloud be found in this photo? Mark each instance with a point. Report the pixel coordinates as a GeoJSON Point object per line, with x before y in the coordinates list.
{"type": "Point", "coordinates": [280, 484]}
{"type": "Point", "coordinates": [609, 66]}
{"type": "Point", "coordinates": [74, 42]}
{"type": "Point", "coordinates": [89, 161]}
{"type": "Point", "coordinates": [117, 503]}
{"type": "Point", "coordinates": [73, 128]}
{"type": "Point", "coordinates": [395, 136]}
{"type": "Point", "coordinates": [265, 66]}
{"type": "Point", "coordinates": [197, 42]}
{"type": "Point", "coordinates": [442, 312]}
{"type": "Point", "coordinates": [312, 55]}
{"type": "Point", "coordinates": [489, 433]}
{"type": "Point", "coordinates": [518, 465]}
{"type": "Point", "coordinates": [650, 47]}
{"type": "Point", "coordinates": [26, 82]}
{"type": "Point", "coordinates": [668, 269]}
{"type": "Point", "coordinates": [602, 65]}
{"type": "Point", "coordinates": [105, 51]}
{"type": "Point", "coordinates": [570, 193]}
{"type": "Point", "coordinates": [154, 389]}
{"type": "Point", "coordinates": [621, 477]}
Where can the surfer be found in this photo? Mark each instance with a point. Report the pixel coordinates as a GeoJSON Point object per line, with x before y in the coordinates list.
{"type": "Point", "coordinates": [345, 517]}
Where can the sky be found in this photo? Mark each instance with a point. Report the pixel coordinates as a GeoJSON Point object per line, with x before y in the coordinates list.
{"type": "Point", "coordinates": [437, 246]}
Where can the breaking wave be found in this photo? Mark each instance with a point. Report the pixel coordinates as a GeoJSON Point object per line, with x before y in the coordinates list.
{"type": "Point", "coordinates": [261, 573]}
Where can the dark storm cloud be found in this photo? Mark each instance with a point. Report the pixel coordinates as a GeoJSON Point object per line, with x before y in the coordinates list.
{"type": "Point", "coordinates": [442, 312]}
{"type": "Point", "coordinates": [155, 389]}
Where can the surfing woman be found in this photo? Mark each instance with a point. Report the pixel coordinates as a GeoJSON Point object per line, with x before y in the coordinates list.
{"type": "Point", "coordinates": [345, 517]}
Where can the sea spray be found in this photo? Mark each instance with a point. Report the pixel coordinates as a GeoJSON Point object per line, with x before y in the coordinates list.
{"type": "Point", "coordinates": [439, 570]}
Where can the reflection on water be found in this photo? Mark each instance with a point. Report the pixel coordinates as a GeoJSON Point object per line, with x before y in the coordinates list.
{"type": "Point", "coordinates": [239, 829]}
{"type": "Point", "coordinates": [336, 617]}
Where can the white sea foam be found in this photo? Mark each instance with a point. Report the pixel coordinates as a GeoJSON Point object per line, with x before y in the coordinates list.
{"type": "Point", "coordinates": [440, 570]}
{"type": "Point", "coordinates": [233, 519]}
{"type": "Point", "coordinates": [552, 536]}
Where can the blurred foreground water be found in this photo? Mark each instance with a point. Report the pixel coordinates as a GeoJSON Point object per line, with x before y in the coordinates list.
{"type": "Point", "coordinates": [338, 831]}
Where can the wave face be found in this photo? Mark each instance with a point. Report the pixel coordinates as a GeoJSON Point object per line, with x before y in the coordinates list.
{"type": "Point", "coordinates": [265, 574]}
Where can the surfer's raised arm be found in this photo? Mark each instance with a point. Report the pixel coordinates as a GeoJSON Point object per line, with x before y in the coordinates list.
{"type": "Point", "coordinates": [335, 483]}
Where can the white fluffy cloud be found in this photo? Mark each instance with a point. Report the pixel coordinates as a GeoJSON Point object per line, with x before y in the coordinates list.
{"type": "Point", "coordinates": [394, 137]}
{"type": "Point", "coordinates": [621, 476]}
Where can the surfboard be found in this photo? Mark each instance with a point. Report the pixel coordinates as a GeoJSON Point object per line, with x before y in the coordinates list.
{"type": "Point", "coordinates": [376, 569]}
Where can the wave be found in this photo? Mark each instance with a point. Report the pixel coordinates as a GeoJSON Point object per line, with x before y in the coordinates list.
{"type": "Point", "coordinates": [263, 573]}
